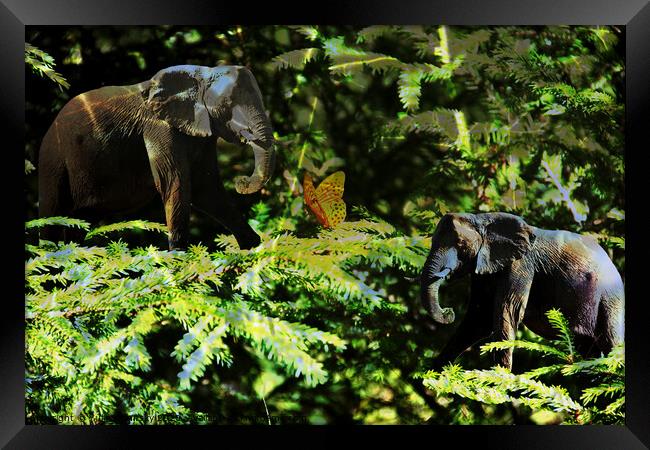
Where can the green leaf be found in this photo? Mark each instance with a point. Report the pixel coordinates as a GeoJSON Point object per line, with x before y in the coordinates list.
{"type": "Point", "coordinates": [43, 64]}
{"type": "Point", "coordinates": [29, 167]}
{"type": "Point", "coordinates": [555, 110]}
{"type": "Point", "coordinates": [309, 32]}
{"type": "Point", "coordinates": [346, 60]}
{"type": "Point", "coordinates": [561, 325]}
{"type": "Point", "coordinates": [295, 59]}
{"type": "Point", "coordinates": [57, 220]}
{"type": "Point", "coordinates": [266, 382]}
{"type": "Point", "coordinates": [130, 225]}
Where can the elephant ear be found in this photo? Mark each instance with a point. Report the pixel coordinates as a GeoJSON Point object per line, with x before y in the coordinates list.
{"type": "Point", "coordinates": [175, 97]}
{"type": "Point", "coordinates": [506, 238]}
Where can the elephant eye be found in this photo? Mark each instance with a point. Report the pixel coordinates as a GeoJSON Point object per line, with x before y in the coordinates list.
{"type": "Point", "coordinates": [461, 244]}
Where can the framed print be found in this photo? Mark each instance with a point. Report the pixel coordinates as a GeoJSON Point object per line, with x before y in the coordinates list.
{"type": "Point", "coordinates": [381, 214]}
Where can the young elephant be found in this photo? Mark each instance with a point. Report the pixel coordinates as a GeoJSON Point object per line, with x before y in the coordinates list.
{"type": "Point", "coordinates": [114, 149]}
{"type": "Point", "coordinates": [518, 273]}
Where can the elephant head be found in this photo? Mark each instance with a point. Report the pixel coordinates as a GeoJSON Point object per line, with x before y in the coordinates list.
{"type": "Point", "coordinates": [222, 101]}
{"type": "Point", "coordinates": [466, 243]}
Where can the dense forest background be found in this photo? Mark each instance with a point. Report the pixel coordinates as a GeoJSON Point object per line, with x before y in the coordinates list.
{"type": "Point", "coordinates": [317, 325]}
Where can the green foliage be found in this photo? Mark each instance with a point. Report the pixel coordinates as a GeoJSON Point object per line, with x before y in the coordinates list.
{"type": "Point", "coordinates": [59, 221]}
{"type": "Point", "coordinates": [131, 225]}
{"type": "Point", "coordinates": [43, 64]}
{"type": "Point", "coordinates": [295, 58]}
{"type": "Point", "coordinates": [597, 385]}
{"type": "Point", "coordinates": [423, 120]}
{"type": "Point", "coordinates": [553, 167]}
{"type": "Point", "coordinates": [89, 311]}
{"type": "Point", "coordinates": [29, 167]}
{"type": "Point", "coordinates": [537, 100]}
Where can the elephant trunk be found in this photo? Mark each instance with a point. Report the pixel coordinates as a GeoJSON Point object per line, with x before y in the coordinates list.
{"type": "Point", "coordinates": [260, 138]}
{"type": "Point", "coordinates": [264, 163]}
{"type": "Point", "coordinates": [429, 295]}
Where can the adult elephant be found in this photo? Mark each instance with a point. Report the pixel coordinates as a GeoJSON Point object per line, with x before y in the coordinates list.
{"type": "Point", "coordinates": [115, 149]}
{"type": "Point", "coordinates": [518, 272]}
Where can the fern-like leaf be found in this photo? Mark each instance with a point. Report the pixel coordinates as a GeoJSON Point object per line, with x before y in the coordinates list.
{"type": "Point", "coordinates": [561, 324]}
{"type": "Point", "coordinates": [130, 225]}
{"type": "Point", "coordinates": [527, 345]}
{"type": "Point", "coordinates": [295, 59]}
{"type": "Point", "coordinates": [43, 64]}
{"type": "Point", "coordinates": [310, 32]}
{"type": "Point", "coordinates": [58, 220]}
{"type": "Point", "coordinates": [346, 60]}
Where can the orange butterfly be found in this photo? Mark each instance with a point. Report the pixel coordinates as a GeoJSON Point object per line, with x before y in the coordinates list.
{"type": "Point", "coordinates": [326, 201]}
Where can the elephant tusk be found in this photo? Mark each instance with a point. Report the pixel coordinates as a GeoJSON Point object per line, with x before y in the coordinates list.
{"type": "Point", "coordinates": [247, 136]}
{"type": "Point", "coordinates": [443, 273]}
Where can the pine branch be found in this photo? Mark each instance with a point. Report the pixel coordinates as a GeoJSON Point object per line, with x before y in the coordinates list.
{"type": "Point", "coordinates": [131, 225]}
{"type": "Point", "coordinates": [498, 385]}
{"type": "Point", "coordinates": [43, 64]}
{"type": "Point", "coordinates": [561, 324]}
{"type": "Point", "coordinates": [60, 221]}
{"type": "Point", "coordinates": [526, 345]}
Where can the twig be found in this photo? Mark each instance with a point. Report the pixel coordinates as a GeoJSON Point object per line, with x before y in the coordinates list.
{"type": "Point", "coordinates": [268, 416]}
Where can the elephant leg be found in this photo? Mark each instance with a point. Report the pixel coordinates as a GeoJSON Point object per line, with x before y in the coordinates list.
{"type": "Point", "coordinates": [610, 325]}
{"type": "Point", "coordinates": [210, 199]}
{"type": "Point", "coordinates": [510, 305]}
{"type": "Point", "coordinates": [175, 195]}
{"type": "Point", "coordinates": [170, 168]}
{"type": "Point", "coordinates": [475, 327]}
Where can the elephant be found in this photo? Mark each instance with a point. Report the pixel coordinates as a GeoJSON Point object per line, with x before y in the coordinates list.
{"type": "Point", "coordinates": [115, 149]}
{"type": "Point", "coordinates": [518, 272]}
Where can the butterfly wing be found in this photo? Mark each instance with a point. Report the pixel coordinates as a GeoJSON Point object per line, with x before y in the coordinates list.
{"type": "Point", "coordinates": [331, 187]}
{"type": "Point", "coordinates": [335, 212]}
{"type": "Point", "coordinates": [329, 196]}
{"type": "Point", "coordinates": [312, 201]}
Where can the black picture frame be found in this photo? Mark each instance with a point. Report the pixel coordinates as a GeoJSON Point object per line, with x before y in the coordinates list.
{"type": "Point", "coordinates": [633, 14]}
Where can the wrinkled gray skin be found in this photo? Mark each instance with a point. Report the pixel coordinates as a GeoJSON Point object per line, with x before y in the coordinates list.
{"type": "Point", "coordinates": [518, 273]}
{"type": "Point", "coordinates": [115, 149]}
